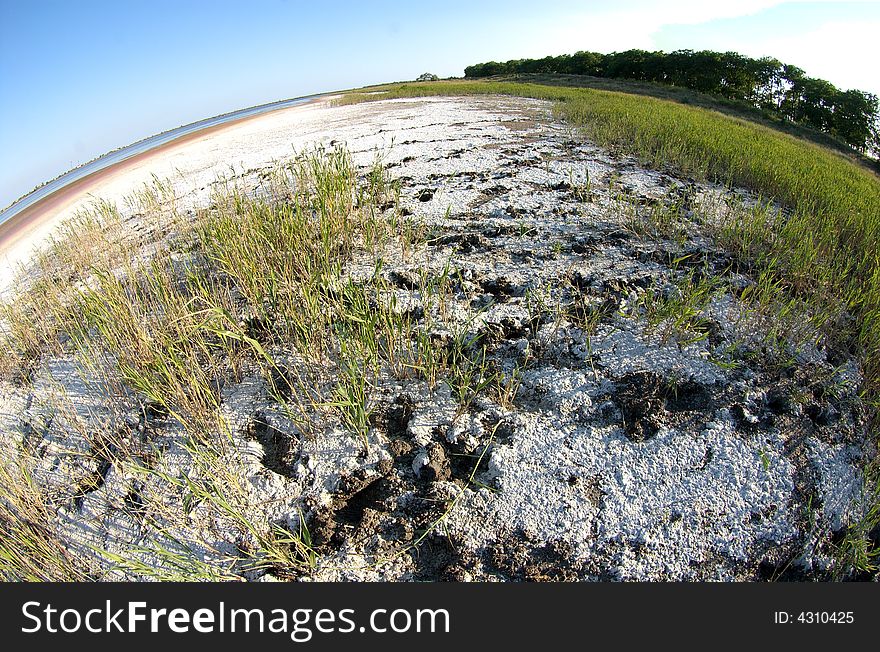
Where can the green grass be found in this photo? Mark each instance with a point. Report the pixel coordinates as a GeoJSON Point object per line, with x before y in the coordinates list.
{"type": "Point", "coordinates": [253, 281]}
{"type": "Point", "coordinates": [30, 546]}
{"type": "Point", "coordinates": [811, 241]}
{"type": "Point", "coordinates": [822, 247]}
{"type": "Point", "coordinates": [679, 313]}
{"type": "Point", "coordinates": [247, 283]}
{"type": "Point", "coordinates": [682, 95]}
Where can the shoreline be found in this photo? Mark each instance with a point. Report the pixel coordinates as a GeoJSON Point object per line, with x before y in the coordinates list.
{"type": "Point", "coordinates": [15, 232]}
{"type": "Point", "coordinates": [597, 422]}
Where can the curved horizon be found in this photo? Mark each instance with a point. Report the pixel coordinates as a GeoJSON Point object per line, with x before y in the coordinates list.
{"type": "Point", "coordinates": [82, 78]}
{"type": "Point", "coordinates": [142, 146]}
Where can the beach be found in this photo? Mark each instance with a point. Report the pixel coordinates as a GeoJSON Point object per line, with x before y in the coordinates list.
{"type": "Point", "coordinates": [509, 366]}
{"type": "Point", "coordinates": [191, 162]}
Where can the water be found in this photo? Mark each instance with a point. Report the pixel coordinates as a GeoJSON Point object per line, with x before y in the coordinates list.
{"type": "Point", "coordinates": [139, 147]}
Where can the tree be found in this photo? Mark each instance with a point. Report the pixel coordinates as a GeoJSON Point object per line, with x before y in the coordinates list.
{"type": "Point", "coordinates": [485, 69]}
{"type": "Point", "coordinates": [765, 83]}
{"type": "Point", "coordinates": [810, 101]}
{"type": "Point", "coordinates": [853, 118]}
{"type": "Point", "coordinates": [632, 64]}
{"type": "Point", "coordinates": [588, 63]}
{"type": "Point", "coordinates": [737, 80]}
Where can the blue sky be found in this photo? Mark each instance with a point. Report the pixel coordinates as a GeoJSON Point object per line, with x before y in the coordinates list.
{"type": "Point", "coordinates": [78, 79]}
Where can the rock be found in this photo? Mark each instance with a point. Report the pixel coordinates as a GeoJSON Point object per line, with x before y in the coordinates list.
{"type": "Point", "coordinates": [431, 464]}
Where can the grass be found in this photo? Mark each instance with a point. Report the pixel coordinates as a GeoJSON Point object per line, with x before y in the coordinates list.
{"type": "Point", "coordinates": [822, 246]}
{"type": "Point", "coordinates": [689, 97]}
{"type": "Point", "coordinates": [30, 547]}
{"type": "Point", "coordinates": [263, 284]}
{"type": "Point", "coordinates": [252, 281]}
{"type": "Point", "coordinates": [168, 331]}
{"type": "Point", "coordinates": [679, 311]}
{"type": "Point", "coordinates": [812, 240]}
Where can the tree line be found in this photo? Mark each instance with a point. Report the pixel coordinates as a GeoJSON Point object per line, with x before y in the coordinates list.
{"type": "Point", "coordinates": [780, 89]}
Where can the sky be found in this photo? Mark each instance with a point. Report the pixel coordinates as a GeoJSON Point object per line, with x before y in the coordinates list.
{"type": "Point", "coordinates": [78, 79]}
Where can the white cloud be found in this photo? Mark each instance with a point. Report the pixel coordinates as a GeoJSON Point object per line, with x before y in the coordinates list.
{"type": "Point", "coordinates": [844, 53]}
{"type": "Point", "coordinates": [606, 27]}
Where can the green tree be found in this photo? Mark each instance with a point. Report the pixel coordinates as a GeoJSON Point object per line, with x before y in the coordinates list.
{"type": "Point", "coordinates": [853, 118]}
{"type": "Point", "coordinates": [765, 83]}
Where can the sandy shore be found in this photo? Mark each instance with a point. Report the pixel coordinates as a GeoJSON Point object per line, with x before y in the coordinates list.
{"type": "Point", "coordinates": [224, 145]}
{"type": "Point", "coordinates": [605, 444]}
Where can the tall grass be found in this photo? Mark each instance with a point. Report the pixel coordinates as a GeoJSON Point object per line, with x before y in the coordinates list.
{"type": "Point", "coordinates": [264, 283]}
{"type": "Point", "coordinates": [256, 280]}
{"type": "Point", "coordinates": [160, 335]}
{"type": "Point", "coordinates": [823, 247]}
{"type": "Point", "coordinates": [31, 548]}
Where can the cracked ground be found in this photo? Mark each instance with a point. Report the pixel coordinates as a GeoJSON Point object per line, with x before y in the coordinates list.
{"type": "Point", "coordinates": [630, 443]}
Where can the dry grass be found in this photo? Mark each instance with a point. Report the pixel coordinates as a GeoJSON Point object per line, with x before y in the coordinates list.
{"type": "Point", "coordinates": [257, 280]}
{"type": "Point", "coordinates": [254, 280]}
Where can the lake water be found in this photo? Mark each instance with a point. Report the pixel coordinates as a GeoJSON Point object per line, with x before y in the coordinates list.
{"type": "Point", "coordinates": [139, 147]}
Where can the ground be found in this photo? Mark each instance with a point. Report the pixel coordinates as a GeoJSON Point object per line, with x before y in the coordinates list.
{"type": "Point", "coordinates": [645, 421]}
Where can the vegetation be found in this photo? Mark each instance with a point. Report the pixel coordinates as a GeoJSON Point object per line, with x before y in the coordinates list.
{"type": "Point", "coordinates": [821, 245]}
{"type": "Point", "coordinates": [780, 89]}
{"type": "Point", "coordinates": [811, 240]}
{"type": "Point", "coordinates": [262, 285]}
{"type": "Point", "coordinates": [251, 286]}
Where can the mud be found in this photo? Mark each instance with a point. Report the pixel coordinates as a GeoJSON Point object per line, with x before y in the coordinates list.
{"type": "Point", "coordinates": [628, 449]}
